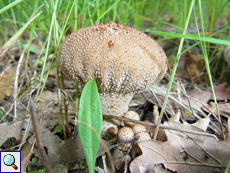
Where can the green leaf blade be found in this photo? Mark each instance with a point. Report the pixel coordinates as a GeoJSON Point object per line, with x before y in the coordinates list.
{"type": "Point", "coordinates": [192, 37]}
{"type": "Point", "coordinates": [90, 122]}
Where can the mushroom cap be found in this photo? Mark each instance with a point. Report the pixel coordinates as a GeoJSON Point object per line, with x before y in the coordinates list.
{"type": "Point", "coordinates": [109, 129]}
{"type": "Point", "coordinates": [144, 136]}
{"type": "Point", "coordinates": [131, 115]}
{"type": "Point", "coordinates": [120, 58]}
{"type": "Point", "coordinates": [125, 134]}
{"type": "Point", "coordinates": [137, 128]}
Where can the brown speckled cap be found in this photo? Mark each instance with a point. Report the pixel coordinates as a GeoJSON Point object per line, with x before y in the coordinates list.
{"type": "Point", "coordinates": [121, 59]}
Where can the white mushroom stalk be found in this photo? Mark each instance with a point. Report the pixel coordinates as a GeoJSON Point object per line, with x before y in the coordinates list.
{"type": "Point", "coordinates": [121, 59]}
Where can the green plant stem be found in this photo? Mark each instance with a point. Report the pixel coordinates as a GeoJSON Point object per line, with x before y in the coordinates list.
{"type": "Point", "coordinates": [174, 68]}
{"type": "Point", "coordinates": [206, 61]}
{"type": "Point", "coordinates": [49, 40]}
{"type": "Point", "coordinates": [11, 5]}
{"type": "Point", "coordinates": [101, 141]}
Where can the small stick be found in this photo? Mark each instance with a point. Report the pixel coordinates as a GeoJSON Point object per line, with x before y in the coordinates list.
{"type": "Point", "coordinates": [39, 142]}
{"type": "Point", "coordinates": [161, 126]}
{"type": "Point", "coordinates": [125, 142]}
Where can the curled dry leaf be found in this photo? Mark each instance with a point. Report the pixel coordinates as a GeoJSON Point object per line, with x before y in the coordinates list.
{"type": "Point", "coordinates": [183, 152]}
{"type": "Point", "coordinates": [224, 109]}
{"type": "Point", "coordinates": [200, 98]}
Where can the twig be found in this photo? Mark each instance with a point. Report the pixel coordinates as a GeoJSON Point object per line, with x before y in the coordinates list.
{"type": "Point", "coordinates": [186, 108]}
{"type": "Point", "coordinates": [161, 126]}
{"type": "Point", "coordinates": [39, 142]}
{"type": "Point", "coordinates": [16, 81]}
{"type": "Point", "coordinates": [65, 120]}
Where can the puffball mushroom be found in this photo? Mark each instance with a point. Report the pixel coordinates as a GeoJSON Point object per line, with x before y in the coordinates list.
{"type": "Point", "coordinates": [131, 115]}
{"type": "Point", "coordinates": [144, 136]}
{"type": "Point", "coordinates": [121, 59]}
{"type": "Point", "coordinates": [125, 134]}
{"type": "Point", "coordinates": [137, 128]}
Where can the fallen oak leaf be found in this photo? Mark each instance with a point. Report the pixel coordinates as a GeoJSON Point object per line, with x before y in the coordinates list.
{"type": "Point", "coordinates": [183, 152]}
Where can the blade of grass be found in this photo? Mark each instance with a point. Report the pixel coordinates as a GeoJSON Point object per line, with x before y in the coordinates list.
{"type": "Point", "coordinates": [175, 65]}
{"type": "Point", "coordinates": [49, 39]}
{"type": "Point", "coordinates": [114, 4]}
{"type": "Point", "coordinates": [206, 61]}
{"type": "Point", "coordinates": [52, 25]}
{"type": "Point", "coordinates": [13, 39]}
{"type": "Point", "coordinates": [192, 37]}
{"type": "Point", "coordinates": [9, 6]}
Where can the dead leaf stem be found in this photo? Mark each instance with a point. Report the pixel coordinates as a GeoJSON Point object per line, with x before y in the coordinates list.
{"type": "Point", "coordinates": [39, 142]}
{"type": "Point", "coordinates": [16, 80]}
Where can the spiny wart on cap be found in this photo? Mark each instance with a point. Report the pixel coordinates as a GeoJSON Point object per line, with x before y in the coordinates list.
{"type": "Point", "coordinates": [120, 58]}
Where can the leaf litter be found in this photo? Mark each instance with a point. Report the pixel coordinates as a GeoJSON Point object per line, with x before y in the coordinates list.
{"type": "Point", "coordinates": [183, 152]}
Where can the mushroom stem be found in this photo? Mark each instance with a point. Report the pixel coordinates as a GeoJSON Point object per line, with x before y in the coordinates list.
{"type": "Point", "coordinates": [115, 104]}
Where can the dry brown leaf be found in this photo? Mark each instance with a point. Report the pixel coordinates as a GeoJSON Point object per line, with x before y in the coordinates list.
{"type": "Point", "coordinates": [204, 96]}
{"type": "Point", "coordinates": [183, 152]}
{"type": "Point", "coordinates": [197, 97]}
{"type": "Point", "coordinates": [48, 98]}
{"type": "Point", "coordinates": [223, 109]}
{"type": "Point", "coordinates": [194, 64]}
{"type": "Point", "coordinates": [7, 81]}
{"type": "Point", "coordinates": [61, 153]}
{"type": "Point", "coordinates": [8, 131]}
{"type": "Point", "coordinates": [221, 92]}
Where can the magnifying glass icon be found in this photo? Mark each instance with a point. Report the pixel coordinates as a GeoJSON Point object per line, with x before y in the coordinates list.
{"type": "Point", "coordinates": [9, 160]}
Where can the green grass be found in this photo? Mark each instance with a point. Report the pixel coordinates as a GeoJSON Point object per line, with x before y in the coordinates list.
{"type": "Point", "coordinates": [47, 23]}
{"type": "Point", "coordinates": [58, 17]}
